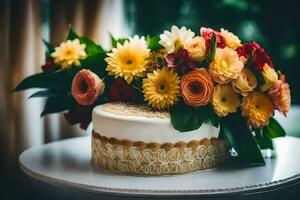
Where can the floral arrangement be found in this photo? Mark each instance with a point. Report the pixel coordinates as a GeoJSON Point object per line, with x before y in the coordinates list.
{"type": "Point", "coordinates": [209, 78]}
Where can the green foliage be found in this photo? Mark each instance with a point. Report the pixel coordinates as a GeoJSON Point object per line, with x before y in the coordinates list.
{"type": "Point", "coordinates": [185, 118]}
{"type": "Point", "coordinates": [212, 49]}
{"type": "Point", "coordinates": [96, 64]}
{"type": "Point", "coordinates": [72, 35]}
{"type": "Point", "coordinates": [91, 47]}
{"type": "Point", "coordinates": [60, 81]}
{"type": "Point", "coordinates": [115, 41]}
{"type": "Point", "coordinates": [209, 116]}
{"type": "Point", "coordinates": [235, 129]}
{"type": "Point", "coordinates": [265, 135]}
{"type": "Point", "coordinates": [153, 43]}
{"type": "Point", "coordinates": [58, 104]}
{"type": "Point", "coordinates": [49, 47]}
{"type": "Point", "coordinates": [45, 93]}
{"type": "Point", "coordinates": [259, 77]}
{"type": "Point", "coordinates": [263, 140]}
{"type": "Point", "coordinates": [250, 59]}
{"type": "Point", "coordinates": [273, 129]}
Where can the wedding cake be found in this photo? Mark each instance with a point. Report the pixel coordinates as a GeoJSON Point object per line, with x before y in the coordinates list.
{"type": "Point", "coordinates": [136, 139]}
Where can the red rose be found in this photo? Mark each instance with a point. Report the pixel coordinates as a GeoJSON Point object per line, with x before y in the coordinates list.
{"type": "Point", "coordinates": [120, 90]}
{"type": "Point", "coordinates": [48, 66]}
{"type": "Point", "coordinates": [207, 34]}
{"type": "Point", "coordinates": [80, 114]}
{"type": "Point", "coordinates": [260, 56]}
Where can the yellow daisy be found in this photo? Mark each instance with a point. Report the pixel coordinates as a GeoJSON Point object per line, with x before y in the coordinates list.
{"type": "Point", "coordinates": [258, 108]}
{"type": "Point", "coordinates": [129, 60]}
{"type": "Point", "coordinates": [225, 100]}
{"type": "Point", "coordinates": [69, 53]}
{"type": "Point", "coordinates": [161, 88]}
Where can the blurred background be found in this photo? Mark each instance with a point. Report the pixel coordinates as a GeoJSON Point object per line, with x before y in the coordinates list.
{"type": "Point", "coordinates": [23, 24]}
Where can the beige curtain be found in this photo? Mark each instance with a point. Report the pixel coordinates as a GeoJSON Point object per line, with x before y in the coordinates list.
{"type": "Point", "coordinates": [22, 28]}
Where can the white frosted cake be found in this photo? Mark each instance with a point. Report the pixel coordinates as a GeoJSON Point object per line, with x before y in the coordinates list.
{"type": "Point", "coordinates": [136, 139]}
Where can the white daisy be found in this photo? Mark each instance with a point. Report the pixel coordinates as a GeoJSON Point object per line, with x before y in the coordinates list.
{"type": "Point", "coordinates": [138, 41]}
{"type": "Point", "coordinates": [176, 39]}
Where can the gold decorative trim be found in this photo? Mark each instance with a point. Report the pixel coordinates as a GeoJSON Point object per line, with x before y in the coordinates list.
{"type": "Point", "coordinates": [157, 159]}
{"type": "Point", "coordinates": [128, 109]}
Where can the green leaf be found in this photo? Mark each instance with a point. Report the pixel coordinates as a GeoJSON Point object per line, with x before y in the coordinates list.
{"type": "Point", "coordinates": [59, 81]}
{"type": "Point", "coordinates": [209, 116]}
{"type": "Point", "coordinates": [259, 77]}
{"type": "Point", "coordinates": [250, 59]}
{"type": "Point", "coordinates": [212, 49]}
{"type": "Point", "coordinates": [49, 47]}
{"type": "Point", "coordinates": [91, 47]}
{"type": "Point", "coordinates": [96, 64]}
{"type": "Point", "coordinates": [274, 129]}
{"type": "Point", "coordinates": [45, 93]}
{"type": "Point", "coordinates": [115, 41]}
{"type": "Point", "coordinates": [234, 128]}
{"type": "Point", "coordinates": [185, 118]}
{"type": "Point", "coordinates": [57, 104]}
{"type": "Point", "coordinates": [153, 43]}
{"type": "Point", "coordinates": [263, 140]}
{"type": "Point", "coordinates": [72, 35]}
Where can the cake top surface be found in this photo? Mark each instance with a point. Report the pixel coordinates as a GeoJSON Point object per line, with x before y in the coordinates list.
{"type": "Point", "coordinates": [138, 110]}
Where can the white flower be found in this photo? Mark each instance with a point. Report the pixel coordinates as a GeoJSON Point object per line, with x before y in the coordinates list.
{"type": "Point", "coordinates": [136, 41]}
{"type": "Point", "coordinates": [176, 39]}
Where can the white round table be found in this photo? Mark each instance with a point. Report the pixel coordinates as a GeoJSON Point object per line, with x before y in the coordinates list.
{"type": "Point", "coordinates": [67, 163]}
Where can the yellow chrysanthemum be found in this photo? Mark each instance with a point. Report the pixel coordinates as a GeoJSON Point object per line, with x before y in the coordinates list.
{"type": "Point", "coordinates": [129, 60]}
{"type": "Point", "coordinates": [226, 65]}
{"type": "Point", "coordinates": [69, 53]}
{"type": "Point", "coordinates": [258, 108]}
{"type": "Point", "coordinates": [161, 88]}
{"type": "Point", "coordinates": [225, 100]}
{"type": "Point", "coordinates": [231, 40]}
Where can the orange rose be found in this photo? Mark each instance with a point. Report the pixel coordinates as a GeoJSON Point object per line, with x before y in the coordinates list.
{"type": "Point", "coordinates": [86, 87]}
{"type": "Point", "coordinates": [196, 87]}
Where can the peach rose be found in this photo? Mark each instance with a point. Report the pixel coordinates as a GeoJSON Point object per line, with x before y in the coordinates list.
{"type": "Point", "coordinates": [231, 40]}
{"type": "Point", "coordinates": [196, 48]}
{"type": "Point", "coordinates": [86, 87]}
{"type": "Point", "coordinates": [196, 87]}
{"type": "Point", "coordinates": [245, 83]}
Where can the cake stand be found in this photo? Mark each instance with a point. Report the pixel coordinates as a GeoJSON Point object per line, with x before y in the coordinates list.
{"type": "Point", "coordinates": [67, 163]}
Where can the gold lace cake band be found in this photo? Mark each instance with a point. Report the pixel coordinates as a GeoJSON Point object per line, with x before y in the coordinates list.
{"type": "Point", "coordinates": [157, 159]}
